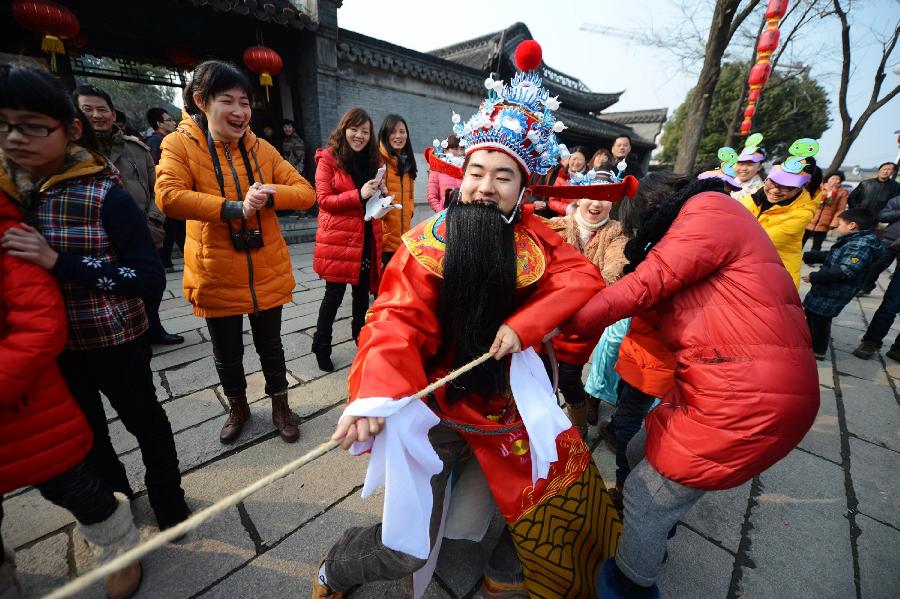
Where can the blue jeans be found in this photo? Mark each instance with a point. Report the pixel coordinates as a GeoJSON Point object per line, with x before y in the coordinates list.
{"type": "Point", "coordinates": [885, 315]}
{"type": "Point", "coordinates": [627, 420]}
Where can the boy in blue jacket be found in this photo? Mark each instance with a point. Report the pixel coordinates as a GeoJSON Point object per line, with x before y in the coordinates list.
{"type": "Point", "coordinates": [843, 273]}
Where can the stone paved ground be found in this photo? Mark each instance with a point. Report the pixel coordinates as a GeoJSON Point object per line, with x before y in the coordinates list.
{"type": "Point", "coordinates": [824, 522]}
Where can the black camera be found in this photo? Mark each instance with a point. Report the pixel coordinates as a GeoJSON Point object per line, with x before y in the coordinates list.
{"type": "Point", "coordinates": [247, 239]}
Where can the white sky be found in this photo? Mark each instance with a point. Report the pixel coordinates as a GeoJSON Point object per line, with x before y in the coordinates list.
{"type": "Point", "coordinates": [650, 77]}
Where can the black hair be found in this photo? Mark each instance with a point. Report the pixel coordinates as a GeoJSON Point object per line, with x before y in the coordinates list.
{"type": "Point", "coordinates": [121, 117]}
{"type": "Point", "coordinates": [815, 173]}
{"type": "Point", "coordinates": [288, 122]}
{"type": "Point", "coordinates": [155, 117]}
{"type": "Point", "coordinates": [626, 136]}
{"type": "Point", "coordinates": [863, 217]}
{"type": "Point", "coordinates": [90, 90]}
{"type": "Point", "coordinates": [406, 158]}
{"type": "Point", "coordinates": [649, 214]}
{"type": "Point", "coordinates": [883, 164]}
{"type": "Point", "coordinates": [210, 78]}
{"type": "Point", "coordinates": [839, 174]}
{"type": "Point", "coordinates": [25, 88]}
{"type": "Point", "coordinates": [452, 141]}
{"type": "Point", "coordinates": [583, 151]}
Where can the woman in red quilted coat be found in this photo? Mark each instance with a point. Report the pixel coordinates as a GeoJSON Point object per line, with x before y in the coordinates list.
{"type": "Point", "coordinates": [348, 247]}
{"type": "Point", "coordinates": [44, 437]}
{"type": "Point", "coordinates": [746, 388]}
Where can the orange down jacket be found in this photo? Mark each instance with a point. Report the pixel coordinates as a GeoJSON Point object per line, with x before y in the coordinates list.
{"type": "Point", "coordinates": [42, 431]}
{"type": "Point", "coordinates": [219, 280]}
{"type": "Point", "coordinates": [396, 222]}
{"type": "Point", "coordinates": [644, 361]}
{"type": "Point", "coordinates": [746, 388]}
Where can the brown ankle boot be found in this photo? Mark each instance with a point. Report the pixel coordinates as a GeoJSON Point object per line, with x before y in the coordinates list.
{"type": "Point", "coordinates": [578, 415]}
{"type": "Point", "coordinates": [238, 416]}
{"type": "Point", "coordinates": [322, 590]}
{"type": "Point", "coordinates": [283, 418]}
{"type": "Point", "coordinates": [124, 583]}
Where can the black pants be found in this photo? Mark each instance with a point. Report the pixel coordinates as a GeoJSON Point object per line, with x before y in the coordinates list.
{"type": "Point", "coordinates": [226, 334]}
{"type": "Point", "coordinates": [151, 305]}
{"type": "Point", "coordinates": [570, 384]}
{"type": "Point", "coordinates": [386, 257]}
{"type": "Point", "coordinates": [80, 490]}
{"type": "Point", "coordinates": [122, 373]}
{"type": "Point", "coordinates": [818, 237]}
{"type": "Point", "coordinates": [334, 295]}
{"type": "Point", "coordinates": [626, 421]}
{"type": "Point", "coordinates": [176, 230]}
{"type": "Point", "coordinates": [885, 315]}
{"type": "Point", "coordinates": [820, 330]}
{"type": "Point", "coordinates": [878, 267]}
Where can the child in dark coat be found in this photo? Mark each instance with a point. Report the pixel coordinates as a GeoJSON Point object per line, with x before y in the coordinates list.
{"type": "Point", "coordinates": [842, 275]}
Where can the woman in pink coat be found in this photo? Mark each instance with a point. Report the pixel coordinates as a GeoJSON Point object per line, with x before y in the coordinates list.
{"type": "Point", "coordinates": [440, 184]}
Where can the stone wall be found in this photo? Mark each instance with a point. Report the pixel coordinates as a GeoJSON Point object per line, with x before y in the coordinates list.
{"type": "Point", "coordinates": [426, 107]}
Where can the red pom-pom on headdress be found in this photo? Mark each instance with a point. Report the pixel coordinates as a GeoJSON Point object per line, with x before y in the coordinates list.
{"type": "Point", "coordinates": [528, 55]}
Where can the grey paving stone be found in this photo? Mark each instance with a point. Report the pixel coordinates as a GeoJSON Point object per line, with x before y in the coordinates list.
{"type": "Point", "coordinates": [868, 370]}
{"type": "Point", "coordinates": [719, 515]}
{"type": "Point", "coordinates": [824, 438]}
{"type": "Point", "coordinates": [28, 516]}
{"type": "Point", "coordinates": [183, 412]}
{"type": "Point", "coordinates": [168, 304]}
{"type": "Point", "coordinates": [800, 541]}
{"type": "Point", "coordinates": [185, 568]}
{"type": "Point", "coordinates": [285, 505]}
{"type": "Point", "coordinates": [174, 311]}
{"type": "Point", "coordinates": [826, 374]}
{"type": "Point", "coordinates": [696, 568]}
{"type": "Point", "coordinates": [184, 323]}
{"type": "Point", "coordinates": [874, 471]}
{"type": "Point", "coordinates": [879, 560]}
{"type": "Point", "coordinates": [845, 339]}
{"type": "Point", "coordinates": [306, 368]}
{"type": "Point", "coordinates": [872, 412]}
{"type": "Point", "coordinates": [43, 567]}
{"type": "Point", "coordinates": [324, 392]}
{"type": "Point", "coordinates": [309, 295]}
{"type": "Point", "coordinates": [190, 338]}
{"type": "Point", "coordinates": [192, 377]}
{"type": "Point", "coordinates": [182, 355]}
{"type": "Point", "coordinates": [299, 324]}
{"type": "Point", "coordinates": [288, 569]}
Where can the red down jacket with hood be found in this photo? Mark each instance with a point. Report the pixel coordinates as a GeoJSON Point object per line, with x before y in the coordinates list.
{"type": "Point", "coordinates": [42, 431]}
{"type": "Point", "coordinates": [746, 386]}
{"type": "Point", "coordinates": [337, 255]}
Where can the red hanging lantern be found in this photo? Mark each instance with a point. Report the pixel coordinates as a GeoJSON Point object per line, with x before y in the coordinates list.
{"type": "Point", "coordinates": [54, 21]}
{"type": "Point", "coordinates": [762, 70]}
{"type": "Point", "coordinates": [265, 62]}
{"type": "Point", "coordinates": [183, 59]}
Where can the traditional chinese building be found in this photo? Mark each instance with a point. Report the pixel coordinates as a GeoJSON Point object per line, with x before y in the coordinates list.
{"type": "Point", "coordinates": [325, 69]}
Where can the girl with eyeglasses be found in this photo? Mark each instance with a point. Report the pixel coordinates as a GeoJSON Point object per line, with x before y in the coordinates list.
{"type": "Point", "coordinates": [81, 226]}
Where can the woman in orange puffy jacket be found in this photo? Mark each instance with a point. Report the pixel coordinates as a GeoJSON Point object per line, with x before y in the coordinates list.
{"type": "Point", "coordinates": [400, 178]}
{"type": "Point", "coordinates": [228, 183]}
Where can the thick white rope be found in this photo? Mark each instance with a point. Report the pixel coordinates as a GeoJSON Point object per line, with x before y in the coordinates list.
{"type": "Point", "coordinates": [136, 553]}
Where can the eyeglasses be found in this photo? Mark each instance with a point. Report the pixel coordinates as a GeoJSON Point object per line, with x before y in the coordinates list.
{"type": "Point", "coordinates": [27, 129]}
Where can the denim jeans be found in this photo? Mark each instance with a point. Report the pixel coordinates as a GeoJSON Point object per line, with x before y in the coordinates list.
{"type": "Point", "coordinates": [633, 406]}
{"type": "Point", "coordinates": [653, 505]}
{"type": "Point", "coordinates": [226, 334]}
{"type": "Point", "coordinates": [80, 490]}
{"type": "Point", "coordinates": [885, 315]}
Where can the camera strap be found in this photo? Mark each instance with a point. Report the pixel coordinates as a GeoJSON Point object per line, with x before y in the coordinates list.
{"type": "Point", "coordinates": [220, 178]}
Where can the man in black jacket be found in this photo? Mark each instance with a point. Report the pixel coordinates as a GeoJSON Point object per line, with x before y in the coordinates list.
{"type": "Point", "coordinates": [621, 150]}
{"type": "Point", "coordinates": [874, 193]}
{"type": "Point", "coordinates": [889, 214]}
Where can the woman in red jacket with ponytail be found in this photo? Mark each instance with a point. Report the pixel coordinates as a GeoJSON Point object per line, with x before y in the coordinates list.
{"type": "Point", "coordinates": [746, 387]}
{"type": "Point", "coordinates": [348, 247]}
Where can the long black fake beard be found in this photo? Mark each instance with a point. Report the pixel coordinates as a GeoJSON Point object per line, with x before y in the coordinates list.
{"type": "Point", "coordinates": [477, 295]}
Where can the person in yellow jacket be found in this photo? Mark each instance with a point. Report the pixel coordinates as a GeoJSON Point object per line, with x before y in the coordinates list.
{"type": "Point", "coordinates": [400, 177]}
{"type": "Point", "coordinates": [227, 183]}
{"type": "Point", "coordinates": [784, 208]}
